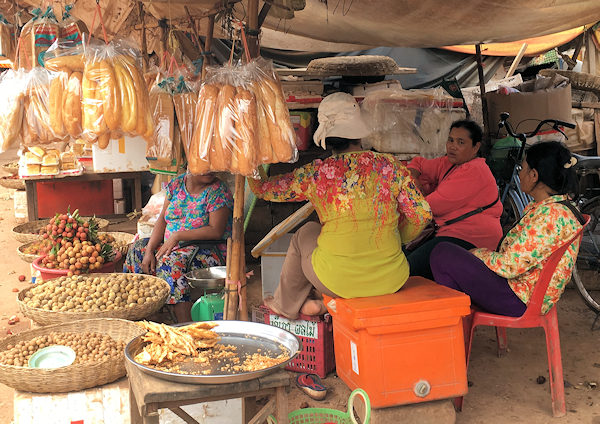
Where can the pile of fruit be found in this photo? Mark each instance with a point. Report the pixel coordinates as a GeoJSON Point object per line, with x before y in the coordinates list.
{"type": "Point", "coordinates": [39, 248]}
{"type": "Point", "coordinates": [75, 245]}
{"type": "Point", "coordinates": [89, 347]}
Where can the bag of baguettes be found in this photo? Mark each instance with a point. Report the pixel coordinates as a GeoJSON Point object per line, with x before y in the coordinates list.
{"type": "Point", "coordinates": [185, 97]}
{"type": "Point", "coordinates": [241, 121]}
{"type": "Point", "coordinates": [12, 87]}
{"type": "Point", "coordinates": [7, 38]}
{"type": "Point", "coordinates": [161, 150]}
{"type": "Point", "coordinates": [65, 61]}
{"type": "Point", "coordinates": [115, 98]}
{"type": "Point", "coordinates": [38, 128]}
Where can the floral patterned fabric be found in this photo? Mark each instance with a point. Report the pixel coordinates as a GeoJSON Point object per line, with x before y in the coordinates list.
{"type": "Point", "coordinates": [172, 268]}
{"type": "Point", "coordinates": [545, 226]}
{"type": "Point", "coordinates": [368, 206]}
{"type": "Point", "coordinates": [188, 212]}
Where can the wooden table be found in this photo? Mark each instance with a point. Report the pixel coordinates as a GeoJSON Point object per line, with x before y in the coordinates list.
{"type": "Point", "coordinates": [31, 187]}
{"type": "Point", "coordinates": [148, 394]}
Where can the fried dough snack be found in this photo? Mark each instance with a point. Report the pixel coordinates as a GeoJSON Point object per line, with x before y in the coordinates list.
{"type": "Point", "coordinates": [174, 344]}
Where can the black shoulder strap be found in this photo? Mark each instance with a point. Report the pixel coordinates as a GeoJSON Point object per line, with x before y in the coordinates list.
{"type": "Point", "coordinates": [473, 212]}
{"type": "Point", "coordinates": [575, 211]}
{"type": "Point", "coordinates": [447, 172]}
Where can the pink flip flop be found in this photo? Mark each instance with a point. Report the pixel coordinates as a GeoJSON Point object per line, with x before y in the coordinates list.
{"type": "Point", "coordinates": [311, 385]}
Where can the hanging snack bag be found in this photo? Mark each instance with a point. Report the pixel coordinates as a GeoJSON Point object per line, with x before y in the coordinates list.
{"type": "Point", "coordinates": [44, 33]}
{"type": "Point", "coordinates": [12, 87]}
{"type": "Point", "coordinates": [72, 29]}
{"type": "Point", "coordinates": [37, 109]}
{"type": "Point", "coordinates": [7, 44]}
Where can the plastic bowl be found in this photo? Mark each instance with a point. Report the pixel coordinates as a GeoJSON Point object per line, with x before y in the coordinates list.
{"type": "Point", "coordinates": [48, 273]}
{"type": "Point", "coordinates": [54, 356]}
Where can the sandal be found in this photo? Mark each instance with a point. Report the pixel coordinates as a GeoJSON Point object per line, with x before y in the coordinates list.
{"type": "Point", "coordinates": [311, 385]}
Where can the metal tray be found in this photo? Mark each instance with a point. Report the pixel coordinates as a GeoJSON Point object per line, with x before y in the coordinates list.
{"type": "Point", "coordinates": [248, 337]}
{"type": "Point", "coordinates": [207, 278]}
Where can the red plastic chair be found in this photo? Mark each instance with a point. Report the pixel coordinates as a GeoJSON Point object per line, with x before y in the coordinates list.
{"type": "Point", "coordinates": [533, 318]}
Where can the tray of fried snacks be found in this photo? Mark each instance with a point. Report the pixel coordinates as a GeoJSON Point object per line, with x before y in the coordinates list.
{"type": "Point", "coordinates": [211, 352]}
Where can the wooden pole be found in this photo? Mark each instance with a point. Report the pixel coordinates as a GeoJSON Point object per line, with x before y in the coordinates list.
{"type": "Point", "coordinates": [194, 29]}
{"type": "Point", "coordinates": [516, 61]}
{"type": "Point", "coordinates": [208, 44]}
{"type": "Point", "coordinates": [484, 109]}
{"type": "Point", "coordinates": [144, 42]}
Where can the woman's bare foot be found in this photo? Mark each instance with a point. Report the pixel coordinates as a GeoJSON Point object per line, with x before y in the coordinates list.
{"type": "Point", "coordinates": [313, 307]}
{"type": "Point", "coordinates": [270, 303]}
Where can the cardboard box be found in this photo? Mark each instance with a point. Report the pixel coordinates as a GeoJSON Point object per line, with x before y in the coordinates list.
{"type": "Point", "coordinates": [528, 107]}
{"type": "Point", "coordinates": [406, 347]}
{"type": "Point", "coordinates": [123, 155]}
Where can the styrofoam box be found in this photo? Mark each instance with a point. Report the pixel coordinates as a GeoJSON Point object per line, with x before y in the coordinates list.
{"type": "Point", "coordinates": [271, 262]}
{"type": "Point", "coordinates": [123, 155]}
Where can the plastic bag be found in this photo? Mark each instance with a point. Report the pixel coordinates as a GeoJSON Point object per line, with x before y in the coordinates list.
{"type": "Point", "coordinates": [185, 97]}
{"type": "Point", "coordinates": [12, 87]}
{"type": "Point", "coordinates": [7, 44]}
{"type": "Point", "coordinates": [410, 122]}
{"type": "Point", "coordinates": [163, 140]}
{"type": "Point", "coordinates": [114, 95]}
{"type": "Point", "coordinates": [36, 37]}
{"type": "Point", "coordinates": [154, 206]}
{"type": "Point", "coordinates": [38, 127]}
{"type": "Point", "coordinates": [72, 28]}
{"type": "Point", "coordinates": [241, 121]}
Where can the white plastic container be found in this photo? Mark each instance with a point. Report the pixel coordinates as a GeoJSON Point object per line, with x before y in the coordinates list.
{"type": "Point", "coordinates": [126, 154]}
{"type": "Point", "coordinates": [271, 262]}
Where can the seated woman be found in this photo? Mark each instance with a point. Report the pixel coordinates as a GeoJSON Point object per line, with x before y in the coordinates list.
{"type": "Point", "coordinates": [501, 282]}
{"type": "Point", "coordinates": [197, 207]}
{"type": "Point", "coordinates": [454, 185]}
{"type": "Point", "coordinates": [368, 205]}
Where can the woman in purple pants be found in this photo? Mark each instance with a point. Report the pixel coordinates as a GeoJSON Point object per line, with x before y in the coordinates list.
{"type": "Point", "coordinates": [502, 281]}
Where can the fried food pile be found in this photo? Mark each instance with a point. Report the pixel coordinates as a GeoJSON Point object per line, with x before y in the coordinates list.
{"type": "Point", "coordinates": [175, 344]}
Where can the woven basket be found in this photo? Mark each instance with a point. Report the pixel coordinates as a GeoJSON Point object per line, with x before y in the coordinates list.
{"type": "Point", "coordinates": [123, 240]}
{"type": "Point", "coordinates": [11, 167]}
{"type": "Point", "coordinates": [133, 313]}
{"type": "Point", "coordinates": [29, 231]}
{"type": "Point", "coordinates": [73, 377]}
{"type": "Point", "coordinates": [27, 257]}
{"type": "Point", "coordinates": [12, 182]}
{"type": "Point", "coordinates": [579, 80]}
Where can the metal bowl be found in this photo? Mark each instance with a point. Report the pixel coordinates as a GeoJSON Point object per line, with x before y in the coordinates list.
{"type": "Point", "coordinates": [207, 278]}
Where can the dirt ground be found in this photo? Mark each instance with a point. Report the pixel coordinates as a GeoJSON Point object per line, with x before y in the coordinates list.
{"type": "Point", "coordinates": [503, 389]}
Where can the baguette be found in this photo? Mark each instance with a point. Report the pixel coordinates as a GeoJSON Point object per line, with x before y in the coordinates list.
{"type": "Point", "coordinates": [246, 128]}
{"type": "Point", "coordinates": [56, 104]}
{"type": "Point", "coordinates": [144, 115]}
{"type": "Point", "coordinates": [265, 151]}
{"type": "Point", "coordinates": [104, 140]}
{"type": "Point", "coordinates": [74, 63]}
{"type": "Point", "coordinates": [128, 98]}
{"type": "Point", "coordinates": [185, 108]}
{"type": "Point", "coordinates": [11, 122]}
{"type": "Point", "coordinates": [204, 128]}
{"type": "Point", "coordinates": [283, 144]}
{"type": "Point", "coordinates": [224, 137]}
{"type": "Point", "coordinates": [72, 105]}
{"type": "Point", "coordinates": [107, 94]}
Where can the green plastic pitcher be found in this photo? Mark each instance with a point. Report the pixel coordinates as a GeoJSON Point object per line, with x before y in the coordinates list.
{"type": "Point", "coordinates": [208, 308]}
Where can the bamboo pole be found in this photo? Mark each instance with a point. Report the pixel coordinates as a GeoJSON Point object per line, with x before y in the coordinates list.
{"type": "Point", "coordinates": [484, 109]}
{"type": "Point", "coordinates": [516, 61]}
{"type": "Point", "coordinates": [236, 271]}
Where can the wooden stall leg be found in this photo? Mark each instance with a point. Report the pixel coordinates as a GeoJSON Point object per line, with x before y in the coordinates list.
{"type": "Point", "coordinates": [137, 193]}
{"type": "Point", "coordinates": [281, 407]}
{"type": "Point", "coordinates": [31, 191]}
{"type": "Point", "coordinates": [134, 412]}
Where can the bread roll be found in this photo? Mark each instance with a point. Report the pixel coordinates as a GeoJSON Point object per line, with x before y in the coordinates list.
{"type": "Point", "coordinates": [224, 137]}
{"type": "Point", "coordinates": [246, 129]}
{"type": "Point", "coordinates": [73, 63]}
{"type": "Point", "coordinates": [72, 105]}
{"type": "Point", "coordinates": [56, 103]}
{"type": "Point", "coordinates": [204, 128]}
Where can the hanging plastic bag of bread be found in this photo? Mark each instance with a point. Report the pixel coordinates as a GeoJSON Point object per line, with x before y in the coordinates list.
{"type": "Point", "coordinates": [224, 137]}
{"type": "Point", "coordinates": [36, 37]}
{"type": "Point", "coordinates": [7, 39]}
{"type": "Point", "coordinates": [12, 102]}
{"type": "Point", "coordinates": [72, 28]}
{"type": "Point", "coordinates": [37, 116]}
{"type": "Point", "coordinates": [276, 135]}
{"type": "Point", "coordinates": [162, 146]}
{"type": "Point", "coordinates": [115, 98]}
{"type": "Point", "coordinates": [65, 59]}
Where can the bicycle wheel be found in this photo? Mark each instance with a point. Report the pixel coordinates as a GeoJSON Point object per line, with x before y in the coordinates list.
{"type": "Point", "coordinates": [510, 213]}
{"type": "Point", "coordinates": [588, 259]}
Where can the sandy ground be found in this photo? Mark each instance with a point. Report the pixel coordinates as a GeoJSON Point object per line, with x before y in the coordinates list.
{"type": "Point", "coordinates": [503, 389]}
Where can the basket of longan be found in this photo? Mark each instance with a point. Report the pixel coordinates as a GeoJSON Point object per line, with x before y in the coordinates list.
{"type": "Point", "coordinates": [119, 240]}
{"type": "Point", "coordinates": [99, 346]}
{"type": "Point", "coordinates": [65, 299]}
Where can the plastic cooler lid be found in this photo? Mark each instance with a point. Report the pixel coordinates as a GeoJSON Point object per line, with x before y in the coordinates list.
{"type": "Point", "coordinates": [418, 300]}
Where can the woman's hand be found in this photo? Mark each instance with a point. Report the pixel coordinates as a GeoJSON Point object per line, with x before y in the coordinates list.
{"type": "Point", "coordinates": [149, 262]}
{"type": "Point", "coordinates": [168, 246]}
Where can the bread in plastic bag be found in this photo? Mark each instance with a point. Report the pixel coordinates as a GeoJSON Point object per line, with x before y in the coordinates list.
{"type": "Point", "coordinates": [161, 148]}
{"type": "Point", "coordinates": [36, 37]}
{"type": "Point", "coordinates": [72, 28]}
{"type": "Point", "coordinates": [114, 95]}
{"type": "Point", "coordinates": [12, 87]}
{"type": "Point", "coordinates": [37, 117]}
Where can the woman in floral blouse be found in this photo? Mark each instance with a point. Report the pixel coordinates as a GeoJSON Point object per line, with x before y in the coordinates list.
{"type": "Point", "coordinates": [368, 206]}
{"type": "Point", "coordinates": [502, 281]}
{"type": "Point", "coordinates": [197, 207]}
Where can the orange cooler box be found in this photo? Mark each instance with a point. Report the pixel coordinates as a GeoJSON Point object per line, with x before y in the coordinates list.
{"type": "Point", "coordinates": [406, 347]}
